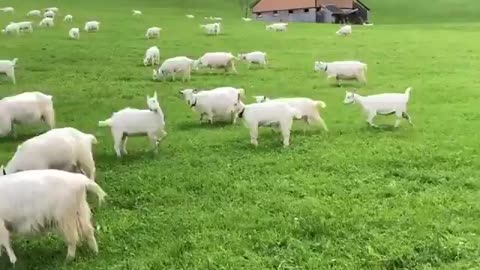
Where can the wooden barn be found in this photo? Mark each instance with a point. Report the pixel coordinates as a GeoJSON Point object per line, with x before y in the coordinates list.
{"type": "Point", "coordinates": [319, 11]}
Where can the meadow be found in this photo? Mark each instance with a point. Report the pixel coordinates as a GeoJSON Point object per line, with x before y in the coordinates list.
{"type": "Point", "coordinates": [352, 198]}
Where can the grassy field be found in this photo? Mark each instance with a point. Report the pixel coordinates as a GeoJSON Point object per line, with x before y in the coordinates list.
{"type": "Point", "coordinates": [353, 198]}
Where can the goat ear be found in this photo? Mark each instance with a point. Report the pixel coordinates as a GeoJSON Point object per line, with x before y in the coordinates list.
{"type": "Point", "coordinates": [155, 95]}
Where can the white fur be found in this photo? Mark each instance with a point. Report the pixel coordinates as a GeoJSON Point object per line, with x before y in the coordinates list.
{"type": "Point", "coordinates": [343, 70]}
{"type": "Point", "coordinates": [277, 27]}
{"type": "Point", "coordinates": [270, 113]}
{"type": "Point", "coordinates": [212, 28]}
{"type": "Point", "coordinates": [7, 67]}
{"type": "Point", "coordinates": [11, 28]}
{"type": "Point", "coordinates": [190, 16]}
{"type": "Point", "coordinates": [136, 12]}
{"type": "Point", "coordinates": [47, 200]}
{"type": "Point", "coordinates": [66, 149]}
{"type": "Point", "coordinates": [152, 56]}
{"type": "Point", "coordinates": [46, 22]}
{"type": "Point", "coordinates": [49, 14]}
{"type": "Point", "coordinates": [74, 33]}
{"type": "Point", "coordinates": [306, 106]}
{"type": "Point", "coordinates": [219, 60]}
{"type": "Point", "coordinates": [153, 32]}
{"type": "Point", "coordinates": [218, 102]}
{"type": "Point", "coordinates": [26, 26]}
{"type": "Point", "coordinates": [92, 26]}
{"type": "Point", "coordinates": [382, 104]}
{"type": "Point", "coordinates": [7, 9]}
{"type": "Point", "coordinates": [345, 30]}
{"type": "Point", "coordinates": [218, 19]}
{"type": "Point", "coordinates": [259, 58]}
{"type": "Point", "coordinates": [25, 108]}
{"type": "Point", "coordinates": [247, 19]}
{"type": "Point", "coordinates": [172, 66]}
{"type": "Point", "coordinates": [135, 122]}
{"type": "Point", "coordinates": [68, 18]}
{"type": "Point", "coordinates": [34, 12]}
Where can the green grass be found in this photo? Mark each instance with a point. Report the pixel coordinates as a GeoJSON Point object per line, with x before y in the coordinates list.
{"type": "Point", "coordinates": [355, 198]}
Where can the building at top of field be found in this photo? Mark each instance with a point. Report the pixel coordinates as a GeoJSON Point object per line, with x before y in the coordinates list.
{"type": "Point", "coordinates": [320, 11]}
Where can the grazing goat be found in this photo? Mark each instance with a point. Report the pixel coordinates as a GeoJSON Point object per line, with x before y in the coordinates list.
{"type": "Point", "coordinates": [47, 200]}
{"type": "Point", "coordinates": [259, 58]}
{"type": "Point", "coordinates": [382, 104]}
{"type": "Point", "coordinates": [218, 102]}
{"type": "Point", "coordinates": [343, 70]}
{"type": "Point", "coordinates": [25, 108]}
{"type": "Point", "coordinates": [92, 26]}
{"type": "Point", "coordinates": [135, 122]}
{"type": "Point", "coordinates": [74, 33]}
{"type": "Point", "coordinates": [267, 114]}
{"type": "Point", "coordinates": [65, 149]}
{"type": "Point", "coordinates": [220, 60]}
{"type": "Point", "coordinates": [152, 56]}
{"type": "Point", "coordinates": [172, 66]}
{"type": "Point", "coordinates": [7, 67]}
{"type": "Point", "coordinates": [306, 106]}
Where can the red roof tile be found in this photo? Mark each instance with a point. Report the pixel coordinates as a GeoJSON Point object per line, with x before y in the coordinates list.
{"type": "Point", "coordinates": [271, 5]}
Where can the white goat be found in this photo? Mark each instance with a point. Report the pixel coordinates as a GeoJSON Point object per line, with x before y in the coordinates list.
{"type": "Point", "coordinates": [68, 18]}
{"type": "Point", "coordinates": [259, 58]}
{"type": "Point", "coordinates": [46, 22]}
{"type": "Point", "coordinates": [153, 32]}
{"type": "Point", "coordinates": [7, 9]}
{"type": "Point", "coordinates": [267, 114]}
{"type": "Point", "coordinates": [25, 108]}
{"type": "Point", "coordinates": [135, 122]}
{"type": "Point", "coordinates": [11, 28]}
{"type": "Point", "coordinates": [306, 106]}
{"type": "Point", "coordinates": [277, 27]}
{"type": "Point", "coordinates": [66, 149]}
{"type": "Point", "coordinates": [212, 28]}
{"type": "Point", "coordinates": [345, 30]}
{"type": "Point", "coordinates": [190, 16]}
{"type": "Point", "coordinates": [25, 26]}
{"type": "Point", "coordinates": [152, 56]}
{"type": "Point", "coordinates": [343, 70]}
{"type": "Point", "coordinates": [34, 12]}
{"type": "Point", "coordinates": [172, 66]}
{"type": "Point", "coordinates": [47, 200]}
{"type": "Point", "coordinates": [7, 67]}
{"type": "Point", "coordinates": [74, 33]}
{"type": "Point", "coordinates": [219, 60]}
{"type": "Point", "coordinates": [218, 102]}
{"type": "Point", "coordinates": [49, 14]}
{"type": "Point", "coordinates": [382, 104]}
{"type": "Point", "coordinates": [92, 26]}
{"type": "Point", "coordinates": [136, 12]}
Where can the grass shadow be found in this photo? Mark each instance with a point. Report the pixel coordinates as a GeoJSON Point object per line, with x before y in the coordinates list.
{"type": "Point", "coordinates": [185, 126]}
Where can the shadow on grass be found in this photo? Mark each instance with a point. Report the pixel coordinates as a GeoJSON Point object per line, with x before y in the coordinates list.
{"type": "Point", "coordinates": [19, 139]}
{"type": "Point", "coordinates": [186, 126]}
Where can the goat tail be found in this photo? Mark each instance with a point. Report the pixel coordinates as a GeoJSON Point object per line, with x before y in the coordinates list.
{"type": "Point", "coordinates": [95, 188]}
{"type": "Point", "coordinates": [407, 92]}
{"type": "Point", "coordinates": [92, 138]}
{"type": "Point", "coordinates": [320, 103]}
{"type": "Point", "coordinates": [14, 61]}
{"type": "Point", "coordinates": [106, 123]}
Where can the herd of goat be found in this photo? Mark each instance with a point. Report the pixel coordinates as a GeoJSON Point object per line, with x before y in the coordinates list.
{"type": "Point", "coordinates": [44, 185]}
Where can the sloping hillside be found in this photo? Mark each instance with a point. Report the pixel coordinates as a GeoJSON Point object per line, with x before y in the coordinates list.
{"type": "Point", "coordinates": [424, 11]}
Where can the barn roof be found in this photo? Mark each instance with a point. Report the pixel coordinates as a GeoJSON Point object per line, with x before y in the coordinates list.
{"type": "Point", "coordinates": [271, 5]}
